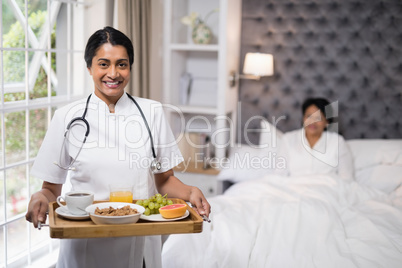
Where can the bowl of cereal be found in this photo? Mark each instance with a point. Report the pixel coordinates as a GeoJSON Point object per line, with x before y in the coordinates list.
{"type": "Point", "coordinates": [115, 212]}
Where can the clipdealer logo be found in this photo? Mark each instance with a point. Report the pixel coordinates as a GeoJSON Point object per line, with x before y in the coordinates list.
{"type": "Point", "coordinates": [122, 126]}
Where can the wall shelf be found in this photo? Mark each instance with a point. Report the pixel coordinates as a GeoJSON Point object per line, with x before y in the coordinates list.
{"type": "Point", "coordinates": [197, 109]}
{"type": "Point", "coordinates": [206, 66]}
{"type": "Point", "coordinates": [193, 47]}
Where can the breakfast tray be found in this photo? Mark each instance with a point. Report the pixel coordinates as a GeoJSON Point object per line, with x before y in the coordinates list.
{"type": "Point", "coordinates": [65, 228]}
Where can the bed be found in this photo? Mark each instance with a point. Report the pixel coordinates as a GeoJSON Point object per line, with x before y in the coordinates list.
{"type": "Point", "coordinates": [266, 220]}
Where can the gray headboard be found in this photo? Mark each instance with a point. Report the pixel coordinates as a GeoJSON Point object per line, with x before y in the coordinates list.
{"type": "Point", "coordinates": [344, 50]}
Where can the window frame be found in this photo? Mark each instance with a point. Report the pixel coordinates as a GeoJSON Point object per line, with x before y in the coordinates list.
{"type": "Point", "coordinates": [62, 12]}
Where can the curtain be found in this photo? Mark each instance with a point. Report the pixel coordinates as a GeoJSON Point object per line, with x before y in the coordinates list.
{"type": "Point", "coordinates": [133, 18]}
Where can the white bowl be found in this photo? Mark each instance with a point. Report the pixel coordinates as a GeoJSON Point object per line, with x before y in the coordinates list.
{"type": "Point", "coordinates": [98, 219]}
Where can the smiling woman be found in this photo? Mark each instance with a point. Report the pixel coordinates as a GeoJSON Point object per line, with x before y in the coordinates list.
{"type": "Point", "coordinates": [103, 160]}
{"type": "Point", "coordinates": [109, 56]}
{"type": "Point", "coordinates": [110, 72]}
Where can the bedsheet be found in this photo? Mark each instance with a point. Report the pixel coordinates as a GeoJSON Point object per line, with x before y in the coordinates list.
{"type": "Point", "coordinates": [314, 221]}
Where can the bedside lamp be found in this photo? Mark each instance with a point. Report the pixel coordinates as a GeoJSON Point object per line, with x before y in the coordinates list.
{"type": "Point", "coordinates": [256, 65]}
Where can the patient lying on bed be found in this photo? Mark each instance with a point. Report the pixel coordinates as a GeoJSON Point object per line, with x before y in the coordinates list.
{"type": "Point", "coordinates": [317, 216]}
{"type": "Point", "coordinates": [314, 150]}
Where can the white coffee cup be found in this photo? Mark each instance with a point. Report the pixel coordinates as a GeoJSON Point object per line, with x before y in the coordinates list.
{"type": "Point", "coordinates": [76, 201]}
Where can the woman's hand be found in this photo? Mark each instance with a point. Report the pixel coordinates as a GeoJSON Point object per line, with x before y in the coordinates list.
{"type": "Point", "coordinates": [168, 183]}
{"type": "Point", "coordinates": [199, 202]}
{"type": "Point", "coordinates": [37, 208]}
{"type": "Point", "coordinates": [39, 203]}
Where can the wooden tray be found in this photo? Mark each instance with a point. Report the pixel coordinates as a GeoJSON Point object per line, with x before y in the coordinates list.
{"type": "Point", "coordinates": [65, 228]}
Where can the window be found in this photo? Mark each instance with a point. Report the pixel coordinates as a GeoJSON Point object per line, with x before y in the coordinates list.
{"type": "Point", "coordinates": [42, 68]}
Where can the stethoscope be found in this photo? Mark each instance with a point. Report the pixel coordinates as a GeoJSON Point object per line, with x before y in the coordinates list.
{"type": "Point", "coordinates": [155, 165]}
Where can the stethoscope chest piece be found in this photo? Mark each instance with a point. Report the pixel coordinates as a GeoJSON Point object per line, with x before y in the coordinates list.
{"type": "Point", "coordinates": [155, 165]}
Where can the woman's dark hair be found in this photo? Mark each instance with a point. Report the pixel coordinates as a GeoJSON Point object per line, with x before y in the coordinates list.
{"type": "Point", "coordinates": [321, 104]}
{"type": "Point", "coordinates": [107, 35]}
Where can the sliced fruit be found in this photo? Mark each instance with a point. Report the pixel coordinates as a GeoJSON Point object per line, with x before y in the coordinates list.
{"type": "Point", "coordinates": [173, 211]}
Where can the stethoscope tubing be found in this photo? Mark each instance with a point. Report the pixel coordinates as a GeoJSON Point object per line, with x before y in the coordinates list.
{"type": "Point", "coordinates": [155, 165]}
{"type": "Point", "coordinates": [81, 118]}
{"type": "Point", "coordinates": [146, 124]}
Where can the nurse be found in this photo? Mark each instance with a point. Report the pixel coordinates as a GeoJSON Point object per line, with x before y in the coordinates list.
{"type": "Point", "coordinates": [124, 137]}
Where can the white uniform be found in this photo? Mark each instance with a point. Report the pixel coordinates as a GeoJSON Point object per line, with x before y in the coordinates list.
{"type": "Point", "coordinates": [118, 149]}
{"type": "Point", "coordinates": [330, 155]}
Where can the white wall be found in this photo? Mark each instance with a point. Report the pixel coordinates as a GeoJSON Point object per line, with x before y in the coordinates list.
{"type": "Point", "coordinates": [98, 14]}
{"type": "Point", "coordinates": [156, 64]}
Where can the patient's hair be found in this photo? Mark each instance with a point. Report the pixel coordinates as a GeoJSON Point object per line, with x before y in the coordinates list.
{"type": "Point", "coordinates": [321, 104]}
{"type": "Point", "coordinates": [107, 35]}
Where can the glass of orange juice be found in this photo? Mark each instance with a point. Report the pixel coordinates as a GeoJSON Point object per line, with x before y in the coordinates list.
{"type": "Point", "coordinates": [121, 193]}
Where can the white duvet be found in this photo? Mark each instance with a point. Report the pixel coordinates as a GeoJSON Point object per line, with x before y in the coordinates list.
{"type": "Point", "coordinates": [314, 221]}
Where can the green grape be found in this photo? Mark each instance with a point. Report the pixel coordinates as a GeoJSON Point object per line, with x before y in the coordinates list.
{"type": "Point", "coordinates": [153, 211]}
{"type": "Point", "coordinates": [139, 202]}
{"type": "Point", "coordinates": [170, 202]}
{"type": "Point", "coordinates": [158, 195]}
{"type": "Point", "coordinates": [157, 206]}
{"type": "Point", "coordinates": [164, 202]}
{"type": "Point", "coordinates": [145, 203]}
{"type": "Point", "coordinates": [159, 199]}
{"type": "Point", "coordinates": [147, 212]}
{"type": "Point", "coordinates": [151, 205]}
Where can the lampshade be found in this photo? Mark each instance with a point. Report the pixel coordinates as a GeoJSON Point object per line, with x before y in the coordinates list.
{"type": "Point", "coordinates": [259, 64]}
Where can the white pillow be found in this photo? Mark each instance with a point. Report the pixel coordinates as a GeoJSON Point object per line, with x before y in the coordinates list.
{"type": "Point", "coordinates": [385, 178]}
{"type": "Point", "coordinates": [369, 153]}
{"type": "Point", "coordinates": [246, 162]}
{"type": "Point", "coordinates": [270, 136]}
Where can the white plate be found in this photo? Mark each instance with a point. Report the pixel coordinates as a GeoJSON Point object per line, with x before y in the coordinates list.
{"type": "Point", "coordinates": [158, 217]}
{"type": "Point", "coordinates": [66, 214]}
{"type": "Point", "coordinates": [97, 219]}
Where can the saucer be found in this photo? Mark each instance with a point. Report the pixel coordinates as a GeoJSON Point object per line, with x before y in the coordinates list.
{"type": "Point", "coordinates": [66, 214]}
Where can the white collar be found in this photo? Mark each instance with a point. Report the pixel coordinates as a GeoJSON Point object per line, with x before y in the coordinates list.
{"type": "Point", "coordinates": [320, 142]}
{"type": "Point", "coordinates": [120, 106]}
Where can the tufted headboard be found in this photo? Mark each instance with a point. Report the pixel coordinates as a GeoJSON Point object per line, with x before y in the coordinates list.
{"type": "Point", "coordinates": [348, 51]}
